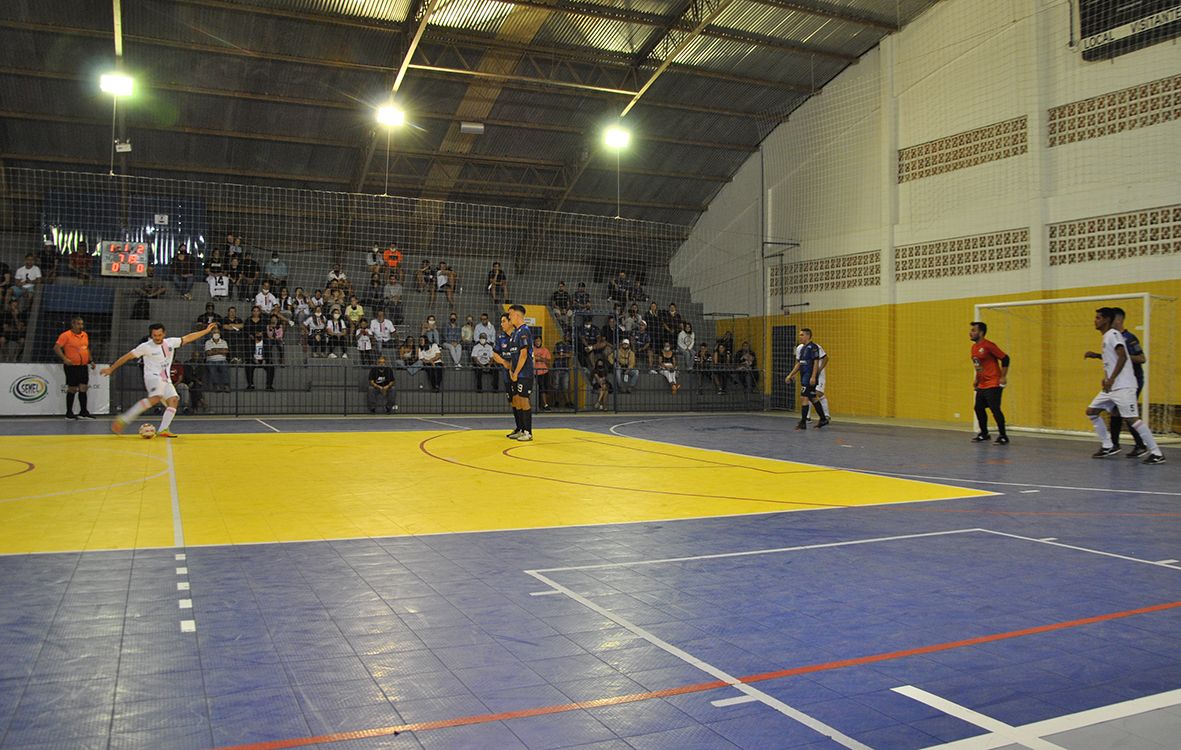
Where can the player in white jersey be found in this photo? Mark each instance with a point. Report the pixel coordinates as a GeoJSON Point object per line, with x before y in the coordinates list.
{"type": "Point", "coordinates": [157, 353]}
{"type": "Point", "coordinates": [1118, 393]}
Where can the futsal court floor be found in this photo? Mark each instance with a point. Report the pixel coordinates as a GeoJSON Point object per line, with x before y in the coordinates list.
{"type": "Point", "coordinates": [681, 582]}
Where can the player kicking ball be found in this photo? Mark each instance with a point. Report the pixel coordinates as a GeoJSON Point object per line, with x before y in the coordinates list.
{"type": "Point", "coordinates": [1118, 394]}
{"type": "Point", "coordinates": [157, 353]}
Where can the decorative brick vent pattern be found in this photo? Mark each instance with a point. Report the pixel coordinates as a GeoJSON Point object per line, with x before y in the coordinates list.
{"type": "Point", "coordinates": [828, 274]}
{"type": "Point", "coordinates": [1127, 109]}
{"type": "Point", "coordinates": [962, 256]}
{"type": "Point", "coordinates": [990, 143]}
{"type": "Point", "coordinates": [1152, 231]}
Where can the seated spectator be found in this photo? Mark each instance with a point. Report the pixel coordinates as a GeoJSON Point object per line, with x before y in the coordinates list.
{"type": "Point", "coordinates": [251, 273]}
{"type": "Point", "coordinates": [722, 364]}
{"type": "Point", "coordinates": [318, 300]}
{"type": "Point", "coordinates": [234, 274]}
{"type": "Point", "coordinates": [467, 333]}
{"type": "Point", "coordinates": [336, 276]}
{"type": "Point", "coordinates": [176, 373]}
{"type": "Point", "coordinates": [430, 330]}
{"type": "Point", "coordinates": [600, 384]}
{"type": "Point", "coordinates": [636, 293]}
{"type": "Point", "coordinates": [218, 280]}
{"type": "Point", "coordinates": [275, 270]}
{"type": "Point", "coordinates": [316, 327]}
{"type": "Point", "coordinates": [560, 299]}
{"type": "Point", "coordinates": [234, 247]}
{"type": "Point", "coordinates": [276, 330]}
{"type": "Point", "coordinates": [259, 358]}
{"type": "Point", "coordinates": [642, 343]}
{"type": "Point", "coordinates": [588, 334]}
{"type": "Point", "coordinates": [624, 362]}
{"type": "Point", "coordinates": [430, 357]}
{"type": "Point", "coordinates": [482, 363]}
{"type": "Point", "coordinates": [381, 394]}
{"type": "Point", "coordinates": [746, 365]}
{"type": "Point", "coordinates": [300, 309]}
{"type": "Point", "coordinates": [453, 340]}
{"type": "Point", "coordinates": [286, 303]}
{"type": "Point", "coordinates": [47, 261]}
{"type": "Point", "coordinates": [184, 272]}
{"type": "Point", "coordinates": [542, 361]}
{"type": "Point", "coordinates": [194, 379]}
{"type": "Point", "coordinates": [447, 281]}
{"type": "Point", "coordinates": [484, 328]}
{"type": "Point", "coordinates": [336, 335]}
{"type": "Point", "coordinates": [686, 343]}
{"type": "Point", "coordinates": [12, 332]}
{"type": "Point", "coordinates": [215, 259]}
{"type": "Point", "coordinates": [383, 331]}
{"type": "Point", "coordinates": [560, 373]}
{"type": "Point", "coordinates": [424, 278]}
{"type": "Point", "coordinates": [703, 360]}
{"type": "Point", "coordinates": [392, 291]}
{"type": "Point", "coordinates": [614, 331]}
{"type": "Point", "coordinates": [207, 317]}
{"type": "Point", "coordinates": [631, 320]}
{"type": "Point", "coordinates": [231, 329]}
{"type": "Point", "coordinates": [334, 294]}
{"type": "Point", "coordinates": [373, 292]}
{"type": "Point", "coordinates": [355, 312]}
{"type": "Point", "coordinates": [582, 299]}
{"type": "Point", "coordinates": [668, 366]}
{"type": "Point", "coordinates": [618, 288]}
{"type": "Point", "coordinates": [408, 355]}
{"type": "Point", "coordinates": [28, 277]}
{"type": "Point", "coordinates": [265, 300]}
{"type": "Point", "coordinates": [497, 285]}
{"type": "Point", "coordinates": [217, 368]}
{"type": "Point", "coordinates": [374, 263]}
{"type": "Point", "coordinates": [676, 324]}
{"type": "Point", "coordinates": [602, 349]}
{"type": "Point", "coordinates": [5, 283]}
{"type": "Point", "coordinates": [80, 261]}
{"type": "Point", "coordinates": [146, 290]}
{"type": "Point", "coordinates": [364, 342]}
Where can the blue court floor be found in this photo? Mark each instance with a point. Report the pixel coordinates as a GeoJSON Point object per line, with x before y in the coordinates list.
{"type": "Point", "coordinates": [1046, 615]}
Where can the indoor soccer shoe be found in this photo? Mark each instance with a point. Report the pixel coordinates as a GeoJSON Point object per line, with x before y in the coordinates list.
{"type": "Point", "coordinates": [1002, 440]}
{"type": "Point", "coordinates": [513, 435]}
{"type": "Point", "coordinates": [1138, 451]}
{"type": "Point", "coordinates": [802, 424]}
{"type": "Point", "coordinates": [117, 425]}
{"type": "Point", "coordinates": [1105, 452]}
{"type": "Point", "coordinates": [525, 437]}
{"type": "Point", "coordinates": [166, 433]}
{"type": "Point", "coordinates": [983, 437]}
{"type": "Point", "coordinates": [1154, 459]}
{"type": "Point", "coordinates": [823, 422]}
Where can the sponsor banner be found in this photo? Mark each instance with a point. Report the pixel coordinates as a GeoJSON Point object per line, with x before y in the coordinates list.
{"type": "Point", "coordinates": [28, 389]}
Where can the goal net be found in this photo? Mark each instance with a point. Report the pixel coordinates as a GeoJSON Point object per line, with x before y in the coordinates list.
{"type": "Point", "coordinates": [1050, 382]}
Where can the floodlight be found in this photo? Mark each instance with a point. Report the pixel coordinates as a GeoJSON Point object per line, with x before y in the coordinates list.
{"type": "Point", "coordinates": [116, 84]}
{"type": "Point", "coordinates": [391, 116]}
{"type": "Point", "coordinates": [617, 137]}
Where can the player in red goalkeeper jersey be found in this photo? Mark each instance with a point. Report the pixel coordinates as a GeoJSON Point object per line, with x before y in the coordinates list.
{"type": "Point", "coordinates": [992, 372]}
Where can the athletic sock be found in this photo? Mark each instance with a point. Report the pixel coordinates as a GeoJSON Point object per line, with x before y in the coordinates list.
{"type": "Point", "coordinates": [169, 413]}
{"type": "Point", "coordinates": [70, 403]}
{"type": "Point", "coordinates": [1145, 434]}
{"type": "Point", "coordinates": [824, 403]}
{"type": "Point", "coordinates": [819, 410]}
{"type": "Point", "coordinates": [82, 403]}
{"type": "Point", "coordinates": [1116, 424]}
{"type": "Point", "coordinates": [1100, 429]}
{"type": "Point", "coordinates": [139, 407]}
{"type": "Point", "coordinates": [517, 420]}
{"type": "Point", "coordinates": [804, 413]}
{"type": "Point", "coordinates": [528, 414]}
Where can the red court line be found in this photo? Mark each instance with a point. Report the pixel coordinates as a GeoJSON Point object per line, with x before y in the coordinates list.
{"type": "Point", "coordinates": [698, 687]}
{"type": "Point", "coordinates": [29, 466]}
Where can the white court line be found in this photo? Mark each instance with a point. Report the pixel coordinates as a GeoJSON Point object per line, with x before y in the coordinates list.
{"type": "Point", "coordinates": [182, 571]}
{"type": "Point", "coordinates": [270, 427]}
{"type": "Point", "coordinates": [182, 586]}
{"type": "Point", "coordinates": [180, 556]}
{"type": "Point", "coordinates": [756, 694]}
{"type": "Point", "coordinates": [543, 593]}
{"type": "Point", "coordinates": [186, 603]}
{"type": "Point", "coordinates": [1166, 562]}
{"type": "Point", "coordinates": [1015, 484]}
{"type": "Point", "coordinates": [1071, 722]}
{"type": "Point", "coordinates": [628, 564]}
{"type": "Point", "coordinates": [445, 424]}
{"type": "Point", "coordinates": [1080, 549]}
{"type": "Point", "coordinates": [735, 701]}
{"type": "Point", "coordinates": [188, 626]}
{"type": "Point", "coordinates": [1005, 731]}
{"type": "Point", "coordinates": [178, 529]}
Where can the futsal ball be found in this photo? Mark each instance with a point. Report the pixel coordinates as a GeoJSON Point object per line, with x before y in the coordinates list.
{"type": "Point", "coordinates": [147, 431]}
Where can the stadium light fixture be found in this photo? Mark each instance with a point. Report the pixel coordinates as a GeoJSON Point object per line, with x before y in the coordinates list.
{"type": "Point", "coordinates": [616, 138]}
{"type": "Point", "coordinates": [389, 117]}
{"type": "Point", "coordinates": [117, 85]}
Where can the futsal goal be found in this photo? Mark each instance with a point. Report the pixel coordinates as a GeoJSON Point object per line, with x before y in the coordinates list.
{"type": "Point", "coordinates": [1050, 382]}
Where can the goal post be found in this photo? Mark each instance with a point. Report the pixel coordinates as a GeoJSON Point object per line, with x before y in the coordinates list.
{"type": "Point", "coordinates": [1050, 383]}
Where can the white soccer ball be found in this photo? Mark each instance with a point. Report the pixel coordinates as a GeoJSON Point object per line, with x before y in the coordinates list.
{"type": "Point", "coordinates": [147, 431]}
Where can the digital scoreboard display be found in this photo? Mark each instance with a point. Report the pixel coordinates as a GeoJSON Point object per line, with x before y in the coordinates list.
{"type": "Point", "coordinates": [128, 259]}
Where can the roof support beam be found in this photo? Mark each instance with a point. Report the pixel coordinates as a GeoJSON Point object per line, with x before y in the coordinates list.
{"type": "Point", "coordinates": [834, 14]}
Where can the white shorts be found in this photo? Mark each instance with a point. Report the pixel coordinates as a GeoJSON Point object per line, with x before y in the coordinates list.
{"type": "Point", "coordinates": [160, 387]}
{"type": "Point", "coordinates": [1123, 399]}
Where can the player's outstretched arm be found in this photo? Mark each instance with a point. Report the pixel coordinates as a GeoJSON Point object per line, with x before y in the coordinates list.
{"type": "Point", "coordinates": [106, 371]}
{"type": "Point", "coordinates": [187, 338]}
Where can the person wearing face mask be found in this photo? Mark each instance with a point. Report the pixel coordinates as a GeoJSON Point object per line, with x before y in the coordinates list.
{"type": "Point", "coordinates": [217, 368]}
{"type": "Point", "coordinates": [430, 330]}
{"type": "Point", "coordinates": [453, 341]}
{"type": "Point", "coordinates": [482, 362]}
{"type": "Point", "coordinates": [484, 327]}
{"type": "Point", "coordinates": [336, 330]}
{"type": "Point", "coordinates": [467, 334]}
{"type": "Point", "coordinates": [275, 271]}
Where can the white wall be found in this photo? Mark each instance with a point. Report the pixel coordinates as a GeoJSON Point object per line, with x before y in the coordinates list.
{"type": "Point", "coordinates": [829, 171]}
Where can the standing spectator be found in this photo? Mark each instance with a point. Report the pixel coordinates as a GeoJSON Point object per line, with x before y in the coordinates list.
{"type": "Point", "coordinates": [80, 261]}
{"type": "Point", "coordinates": [497, 285]}
{"type": "Point", "coordinates": [676, 324]}
{"type": "Point", "coordinates": [587, 336]}
{"type": "Point", "coordinates": [231, 328]}
{"type": "Point", "coordinates": [336, 332]}
{"type": "Point", "coordinates": [746, 365]}
{"type": "Point", "coordinates": [666, 331]}
{"type": "Point", "coordinates": [431, 357]}
{"type": "Point", "coordinates": [642, 342]}
{"type": "Point", "coordinates": [722, 365]}
{"type": "Point", "coordinates": [184, 272]}
{"type": "Point", "coordinates": [453, 340]}
{"type": "Point", "coordinates": [430, 330]}
{"type": "Point", "coordinates": [12, 332]}
{"type": "Point", "coordinates": [218, 280]}
{"type": "Point", "coordinates": [600, 384]}
{"type": "Point", "coordinates": [447, 282]}
{"type": "Point", "coordinates": [248, 285]}
{"type": "Point", "coordinates": [260, 360]}
{"type": "Point", "coordinates": [560, 374]}
{"type": "Point", "coordinates": [686, 342]}
{"type": "Point", "coordinates": [668, 366]}
{"type": "Point", "coordinates": [147, 289]}
{"type": "Point", "coordinates": [234, 274]}
{"type": "Point", "coordinates": [652, 318]}
{"type": "Point", "coordinates": [482, 363]}
{"type": "Point", "coordinates": [73, 349]}
{"type": "Point", "coordinates": [47, 262]}
{"type": "Point", "coordinates": [373, 294]}
{"type": "Point", "coordinates": [542, 361]}
{"type": "Point", "coordinates": [424, 278]}
{"type": "Point", "coordinates": [373, 260]}
{"type": "Point", "coordinates": [383, 331]}
{"type": "Point", "coordinates": [582, 299]}
{"type": "Point", "coordinates": [317, 332]}
{"type": "Point", "coordinates": [355, 312]}
{"type": "Point", "coordinates": [381, 394]}
{"type": "Point", "coordinates": [364, 342]}
{"type": "Point", "coordinates": [484, 328]}
{"type": "Point", "coordinates": [256, 323]}
{"type": "Point", "coordinates": [207, 317]}
{"type": "Point", "coordinates": [265, 300]}
{"type": "Point", "coordinates": [275, 270]}
{"type": "Point", "coordinates": [618, 288]}
{"type": "Point", "coordinates": [217, 353]}
{"type": "Point", "coordinates": [624, 360]}
{"type": "Point", "coordinates": [28, 277]}
{"type": "Point", "coordinates": [276, 329]}
{"type": "Point", "coordinates": [703, 361]}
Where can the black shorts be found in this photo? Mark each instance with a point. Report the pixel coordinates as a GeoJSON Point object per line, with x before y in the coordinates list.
{"type": "Point", "coordinates": [522, 388]}
{"type": "Point", "coordinates": [808, 391]}
{"type": "Point", "coordinates": [76, 375]}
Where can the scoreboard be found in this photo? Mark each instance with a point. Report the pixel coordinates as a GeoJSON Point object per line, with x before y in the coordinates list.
{"type": "Point", "coordinates": [1110, 28]}
{"type": "Point", "coordinates": [129, 259]}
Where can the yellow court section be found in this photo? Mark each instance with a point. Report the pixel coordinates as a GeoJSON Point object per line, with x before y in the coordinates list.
{"type": "Point", "coordinates": [104, 492]}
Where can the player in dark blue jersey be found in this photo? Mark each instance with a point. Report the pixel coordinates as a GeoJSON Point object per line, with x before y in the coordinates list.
{"type": "Point", "coordinates": [811, 361]}
{"type": "Point", "coordinates": [1137, 358]}
{"type": "Point", "coordinates": [519, 363]}
{"type": "Point", "coordinates": [501, 348]}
